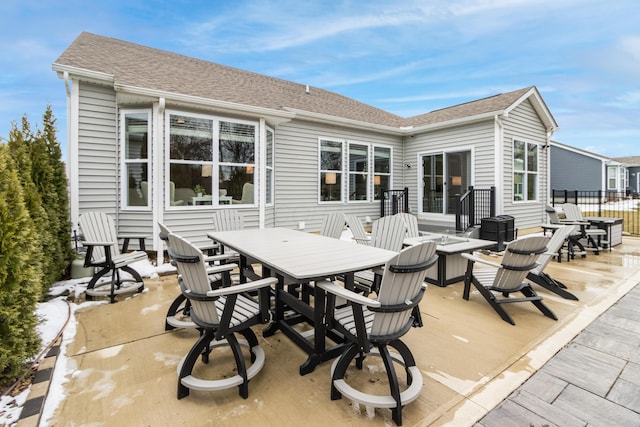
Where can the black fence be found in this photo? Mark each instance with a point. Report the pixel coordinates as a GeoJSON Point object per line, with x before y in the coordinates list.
{"type": "Point", "coordinates": [609, 204]}
{"type": "Point", "coordinates": [394, 201]}
{"type": "Point", "coordinates": [473, 206]}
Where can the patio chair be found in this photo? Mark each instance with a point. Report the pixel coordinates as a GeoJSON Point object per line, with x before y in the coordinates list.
{"type": "Point", "coordinates": [388, 233]}
{"type": "Point", "coordinates": [332, 225]}
{"type": "Point", "coordinates": [573, 240]}
{"type": "Point", "coordinates": [554, 249]}
{"type": "Point", "coordinates": [573, 215]}
{"type": "Point", "coordinates": [101, 240]}
{"type": "Point", "coordinates": [178, 314]}
{"type": "Point", "coordinates": [520, 257]}
{"type": "Point", "coordinates": [380, 323]}
{"type": "Point", "coordinates": [411, 221]}
{"type": "Point", "coordinates": [220, 314]}
{"type": "Point", "coordinates": [360, 235]}
{"type": "Point", "coordinates": [247, 195]}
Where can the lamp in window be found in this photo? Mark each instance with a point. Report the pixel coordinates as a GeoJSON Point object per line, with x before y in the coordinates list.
{"type": "Point", "coordinates": [456, 180]}
{"type": "Point", "coordinates": [207, 171]}
{"type": "Point", "coordinates": [376, 180]}
{"type": "Point", "coordinates": [330, 179]}
{"type": "Point", "coordinates": [249, 170]}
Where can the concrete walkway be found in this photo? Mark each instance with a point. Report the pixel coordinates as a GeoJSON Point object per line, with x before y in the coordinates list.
{"type": "Point", "coordinates": [594, 380]}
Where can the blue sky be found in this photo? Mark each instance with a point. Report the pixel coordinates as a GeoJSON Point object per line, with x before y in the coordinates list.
{"type": "Point", "coordinates": [407, 57]}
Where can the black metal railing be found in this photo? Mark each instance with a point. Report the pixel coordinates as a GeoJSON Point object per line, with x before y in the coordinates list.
{"type": "Point", "coordinates": [610, 204]}
{"type": "Point", "coordinates": [474, 205]}
{"type": "Point", "coordinates": [394, 201]}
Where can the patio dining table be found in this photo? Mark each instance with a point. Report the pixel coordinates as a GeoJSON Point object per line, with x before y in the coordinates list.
{"type": "Point", "coordinates": [299, 258]}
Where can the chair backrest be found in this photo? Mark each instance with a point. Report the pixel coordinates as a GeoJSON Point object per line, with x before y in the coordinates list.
{"type": "Point", "coordinates": [554, 246]}
{"type": "Point", "coordinates": [388, 233]}
{"type": "Point", "coordinates": [184, 195]}
{"type": "Point", "coordinates": [398, 286]}
{"type": "Point", "coordinates": [247, 194]}
{"type": "Point", "coordinates": [333, 225]}
{"type": "Point", "coordinates": [99, 227]}
{"type": "Point", "coordinates": [552, 214]}
{"type": "Point", "coordinates": [520, 257]}
{"type": "Point", "coordinates": [357, 229]}
{"type": "Point", "coordinates": [227, 220]}
{"type": "Point", "coordinates": [411, 221]}
{"type": "Point", "coordinates": [572, 212]}
{"type": "Point", "coordinates": [193, 277]}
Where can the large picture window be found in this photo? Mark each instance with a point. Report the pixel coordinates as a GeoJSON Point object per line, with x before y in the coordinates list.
{"type": "Point", "coordinates": [211, 161]}
{"type": "Point", "coordinates": [525, 171]}
{"type": "Point", "coordinates": [135, 131]}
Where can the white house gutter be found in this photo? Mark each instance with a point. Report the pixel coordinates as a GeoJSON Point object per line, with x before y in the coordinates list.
{"type": "Point", "coordinates": [156, 175]}
{"type": "Point", "coordinates": [498, 162]}
{"type": "Point", "coordinates": [72, 151]}
{"type": "Point", "coordinates": [88, 75]}
{"type": "Point", "coordinates": [277, 116]}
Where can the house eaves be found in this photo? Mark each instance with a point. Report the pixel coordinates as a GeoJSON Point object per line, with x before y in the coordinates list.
{"type": "Point", "coordinates": [273, 116]}
{"type": "Point", "coordinates": [539, 105]}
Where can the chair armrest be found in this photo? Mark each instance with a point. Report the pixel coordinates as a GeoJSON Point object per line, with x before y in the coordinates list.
{"type": "Point", "coordinates": [245, 287]}
{"type": "Point", "coordinates": [479, 260]}
{"type": "Point", "coordinates": [221, 268]}
{"type": "Point", "coordinates": [87, 243]}
{"type": "Point", "coordinates": [132, 236]}
{"type": "Point", "coordinates": [366, 240]}
{"type": "Point", "coordinates": [220, 257]}
{"type": "Point", "coordinates": [339, 291]}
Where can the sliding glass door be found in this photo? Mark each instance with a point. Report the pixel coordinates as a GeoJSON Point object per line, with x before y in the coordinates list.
{"type": "Point", "coordinates": [443, 176]}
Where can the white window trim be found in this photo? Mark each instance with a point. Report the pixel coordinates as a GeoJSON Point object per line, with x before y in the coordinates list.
{"type": "Point", "coordinates": [346, 171]}
{"type": "Point", "coordinates": [124, 178]}
{"type": "Point", "coordinates": [525, 172]}
{"type": "Point", "coordinates": [215, 162]}
{"type": "Point", "coordinates": [272, 180]}
{"type": "Point", "coordinates": [320, 171]}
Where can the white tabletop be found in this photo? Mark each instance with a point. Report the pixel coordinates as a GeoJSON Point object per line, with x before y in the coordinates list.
{"type": "Point", "coordinates": [447, 244]}
{"type": "Point", "coordinates": [302, 255]}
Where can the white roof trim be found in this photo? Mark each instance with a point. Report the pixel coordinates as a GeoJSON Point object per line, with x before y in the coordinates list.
{"type": "Point", "coordinates": [197, 100]}
{"type": "Point", "coordinates": [540, 107]}
{"type": "Point", "coordinates": [326, 118]}
{"type": "Point", "coordinates": [94, 76]}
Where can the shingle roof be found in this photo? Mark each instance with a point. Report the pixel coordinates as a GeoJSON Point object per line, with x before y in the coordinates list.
{"type": "Point", "coordinates": [630, 160]}
{"type": "Point", "coordinates": [144, 67]}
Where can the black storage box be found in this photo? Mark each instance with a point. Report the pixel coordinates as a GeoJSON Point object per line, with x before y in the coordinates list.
{"type": "Point", "coordinates": [499, 228]}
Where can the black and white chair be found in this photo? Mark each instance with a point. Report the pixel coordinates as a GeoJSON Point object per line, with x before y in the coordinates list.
{"type": "Point", "coordinates": [371, 326]}
{"type": "Point", "coordinates": [332, 225]}
{"type": "Point", "coordinates": [103, 254]}
{"type": "Point", "coordinates": [219, 314]}
{"type": "Point", "coordinates": [508, 277]}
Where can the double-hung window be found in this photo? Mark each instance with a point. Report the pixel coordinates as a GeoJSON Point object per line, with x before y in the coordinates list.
{"type": "Point", "coordinates": [135, 129]}
{"type": "Point", "coordinates": [366, 168]}
{"type": "Point", "coordinates": [525, 171]}
{"type": "Point", "coordinates": [331, 170]}
{"type": "Point", "coordinates": [211, 161]}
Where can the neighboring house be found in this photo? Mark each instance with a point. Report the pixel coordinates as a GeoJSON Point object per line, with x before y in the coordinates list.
{"type": "Point", "coordinates": [632, 165]}
{"type": "Point", "coordinates": [577, 169]}
{"type": "Point", "coordinates": [147, 127]}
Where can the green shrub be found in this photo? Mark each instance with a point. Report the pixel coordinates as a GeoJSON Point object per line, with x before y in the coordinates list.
{"type": "Point", "coordinates": [20, 276]}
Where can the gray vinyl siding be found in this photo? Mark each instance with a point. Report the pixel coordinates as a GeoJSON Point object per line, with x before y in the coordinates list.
{"type": "Point", "coordinates": [296, 173]}
{"type": "Point", "coordinates": [97, 149]}
{"type": "Point", "coordinates": [575, 171]}
{"type": "Point", "coordinates": [478, 137]}
{"type": "Point", "coordinates": [524, 124]}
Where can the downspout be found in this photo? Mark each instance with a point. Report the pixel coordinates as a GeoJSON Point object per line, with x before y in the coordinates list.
{"type": "Point", "coordinates": [72, 156]}
{"type": "Point", "coordinates": [157, 145]}
{"type": "Point", "coordinates": [262, 176]}
{"type": "Point", "coordinates": [548, 159]}
{"type": "Point", "coordinates": [499, 177]}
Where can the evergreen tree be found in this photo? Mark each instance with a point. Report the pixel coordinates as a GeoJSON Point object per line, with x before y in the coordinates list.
{"type": "Point", "coordinates": [51, 178]}
{"type": "Point", "coordinates": [21, 148]}
{"type": "Point", "coordinates": [20, 276]}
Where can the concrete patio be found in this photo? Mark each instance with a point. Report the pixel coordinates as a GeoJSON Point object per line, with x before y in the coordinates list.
{"type": "Point", "coordinates": [122, 363]}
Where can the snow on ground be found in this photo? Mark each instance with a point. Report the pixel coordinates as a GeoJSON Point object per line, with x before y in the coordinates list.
{"type": "Point", "coordinates": [54, 316]}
